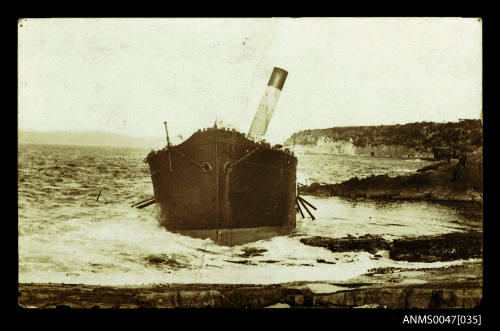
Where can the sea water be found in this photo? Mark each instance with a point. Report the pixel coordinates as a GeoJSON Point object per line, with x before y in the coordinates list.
{"type": "Point", "coordinates": [76, 225]}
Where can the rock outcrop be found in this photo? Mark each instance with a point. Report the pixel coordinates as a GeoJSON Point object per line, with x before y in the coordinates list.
{"type": "Point", "coordinates": [366, 243]}
{"type": "Point", "coordinates": [451, 295]}
{"type": "Point", "coordinates": [458, 180]}
{"type": "Point", "coordinates": [446, 247]}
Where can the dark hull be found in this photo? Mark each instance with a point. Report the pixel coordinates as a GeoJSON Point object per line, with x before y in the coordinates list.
{"type": "Point", "coordinates": [220, 185]}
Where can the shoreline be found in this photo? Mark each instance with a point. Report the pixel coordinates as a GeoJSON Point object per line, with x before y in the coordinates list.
{"type": "Point", "coordinates": [447, 294]}
{"type": "Point", "coordinates": [402, 287]}
{"type": "Point", "coordinates": [454, 181]}
{"type": "Point", "coordinates": [458, 286]}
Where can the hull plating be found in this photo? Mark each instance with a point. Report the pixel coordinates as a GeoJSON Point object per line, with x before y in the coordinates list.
{"type": "Point", "coordinates": [220, 180]}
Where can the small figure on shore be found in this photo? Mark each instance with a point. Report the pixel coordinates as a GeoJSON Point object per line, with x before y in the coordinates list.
{"type": "Point", "coordinates": [460, 167]}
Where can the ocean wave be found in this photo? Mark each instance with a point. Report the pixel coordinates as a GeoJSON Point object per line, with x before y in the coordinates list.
{"type": "Point", "coordinates": [67, 235]}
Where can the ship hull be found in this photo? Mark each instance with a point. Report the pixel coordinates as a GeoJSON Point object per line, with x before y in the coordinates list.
{"type": "Point", "coordinates": [220, 185]}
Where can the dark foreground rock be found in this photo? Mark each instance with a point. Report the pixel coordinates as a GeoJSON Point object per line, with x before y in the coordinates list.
{"type": "Point", "coordinates": [448, 295]}
{"type": "Point", "coordinates": [455, 181]}
{"type": "Point", "coordinates": [366, 243]}
{"type": "Point", "coordinates": [433, 166]}
{"type": "Point", "coordinates": [446, 247]}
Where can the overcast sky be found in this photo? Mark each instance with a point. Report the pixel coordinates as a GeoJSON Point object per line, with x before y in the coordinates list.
{"type": "Point", "coordinates": [129, 75]}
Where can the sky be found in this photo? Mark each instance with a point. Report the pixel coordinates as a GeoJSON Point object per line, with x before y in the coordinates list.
{"type": "Point", "coordinates": [128, 76]}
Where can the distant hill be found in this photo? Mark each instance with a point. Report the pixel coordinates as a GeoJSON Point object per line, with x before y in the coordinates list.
{"type": "Point", "coordinates": [88, 138]}
{"type": "Point", "coordinates": [391, 140]}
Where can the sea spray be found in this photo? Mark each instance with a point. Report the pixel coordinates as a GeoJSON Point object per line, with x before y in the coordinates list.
{"type": "Point", "coordinates": [69, 237]}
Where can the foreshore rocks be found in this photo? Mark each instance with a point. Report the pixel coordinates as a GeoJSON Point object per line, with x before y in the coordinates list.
{"type": "Point", "coordinates": [444, 181]}
{"type": "Point", "coordinates": [453, 287]}
{"type": "Point", "coordinates": [366, 243]}
{"type": "Point", "coordinates": [458, 286]}
{"type": "Point", "coordinates": [63, 296]}
{"type": "Point", "coordinates": [447, 247]}
{"type": "Point", "coordinates": [402, 297]}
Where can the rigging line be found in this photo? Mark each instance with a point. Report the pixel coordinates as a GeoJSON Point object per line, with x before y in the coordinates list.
{"type": "Point", "coordinates": [189, 158]}
{"type": "Point", "coordinates": [217, 182]}
{"type": "Point", "coordinates": [245, 156]}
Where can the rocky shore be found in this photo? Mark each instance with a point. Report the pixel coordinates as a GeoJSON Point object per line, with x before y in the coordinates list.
{"type": "Point", "coordinates": [457, 180]}
{"type": "Point", "coordinates": [456, 286]}
{"type": "Point", "coordinates": [447, 247]}
{"type": "Point", "coordinates": [466, 294]}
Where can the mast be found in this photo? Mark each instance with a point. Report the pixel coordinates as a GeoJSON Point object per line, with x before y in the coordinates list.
{"type": "Point", "coordinates": [166, 130]}
{"type": "Point", "coordinates": [268, 103]}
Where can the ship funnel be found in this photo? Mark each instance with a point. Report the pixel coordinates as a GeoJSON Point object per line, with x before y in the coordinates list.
{"type": "Point", "coordinates": [268, 103]}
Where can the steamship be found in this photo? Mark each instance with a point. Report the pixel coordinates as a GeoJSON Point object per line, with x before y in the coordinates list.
{"type": "Point", "coordinates": [227, 186]}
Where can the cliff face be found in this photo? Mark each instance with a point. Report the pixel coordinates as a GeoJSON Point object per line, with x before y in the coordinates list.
{"type": "Point", "coordinates": [413, 140]}
{"type": "Point", "coordinates": [326, 145]}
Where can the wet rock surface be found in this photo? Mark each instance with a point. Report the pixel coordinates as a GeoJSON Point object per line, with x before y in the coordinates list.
{"type": "Point", "coordinates": [251, 252]}
{"type": "Point", "coordinates": [470, 272]}
{"type": "Point", "coordinates": [458, 180]}
{"type": "Point", "coordinates": [446, 247]}
{"type": "Point", "coordinates": [451, 295]}
{"type": "Point", "coordinates": [434, 166]}
{"type": "Point", "coordinates": [366, 243]}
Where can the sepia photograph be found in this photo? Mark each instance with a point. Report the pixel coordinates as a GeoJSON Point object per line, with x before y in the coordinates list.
{"type": "Point", "coordinates": [311, 162]}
